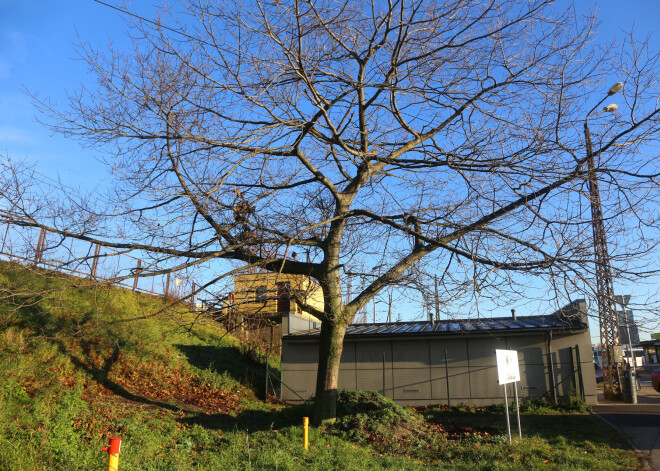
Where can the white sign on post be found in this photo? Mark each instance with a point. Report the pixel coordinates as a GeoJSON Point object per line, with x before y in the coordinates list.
{"type": "Point", "coordinates": [508, 372]}
{"type": "Point", "coordinates": [507, 366]}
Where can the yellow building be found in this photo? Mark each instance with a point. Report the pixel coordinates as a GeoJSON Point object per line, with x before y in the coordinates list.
{"type": "Point", "coordinates": [271, 295]}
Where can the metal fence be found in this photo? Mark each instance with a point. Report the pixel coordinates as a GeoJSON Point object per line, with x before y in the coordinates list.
{"type": "Point", "coordinates": [38, 247]}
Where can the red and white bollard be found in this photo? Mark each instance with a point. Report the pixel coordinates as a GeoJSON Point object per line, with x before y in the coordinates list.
{"type": "Point", "coordinates": [113, 453]}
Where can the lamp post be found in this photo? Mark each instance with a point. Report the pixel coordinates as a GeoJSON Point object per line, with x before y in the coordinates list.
{"type": "Point", "coordinates": [623, 301]}
{"type": "Point", "coordinates": [609, 329]}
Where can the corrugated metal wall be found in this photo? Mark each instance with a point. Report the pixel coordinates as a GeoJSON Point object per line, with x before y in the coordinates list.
{"type": "Point", "coordinates": [415, 371]}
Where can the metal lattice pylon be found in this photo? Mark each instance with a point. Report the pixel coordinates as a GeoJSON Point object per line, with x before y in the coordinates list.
{"type": "Point", "coordinates": [610, 338]}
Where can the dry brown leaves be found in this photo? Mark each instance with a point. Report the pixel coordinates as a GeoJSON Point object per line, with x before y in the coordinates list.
{"type": "Point", "coordinates": [158, 382]}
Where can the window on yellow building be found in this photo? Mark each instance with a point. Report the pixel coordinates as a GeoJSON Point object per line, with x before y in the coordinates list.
{"type": "Point", "coordinates": [261, 294]}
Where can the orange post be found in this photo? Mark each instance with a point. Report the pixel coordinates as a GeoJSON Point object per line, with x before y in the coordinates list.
{"type": "Point", "coordinates": [306, 432]}
{"type": "Point", "coordinates": [113, 453]}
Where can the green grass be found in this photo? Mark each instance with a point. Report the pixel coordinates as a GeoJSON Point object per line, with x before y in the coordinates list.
{"type": "Point", "coordinates": [185, 396]}
{"type": "Point", "coordinates": [550, 441]}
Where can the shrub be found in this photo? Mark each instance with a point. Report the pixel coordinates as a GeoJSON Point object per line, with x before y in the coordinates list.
{"type": "Point", "coordinates": [367, 414]}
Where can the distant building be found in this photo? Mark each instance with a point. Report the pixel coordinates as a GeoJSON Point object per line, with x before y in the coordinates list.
{"type": "Point", "coordinates": [627, 324]}
{"type": "Point", "coordinates": [652, 349]}
{"type": "Point", "coordinates": [264, 298]}
{"type": "Point", "coordinates": [271, 295]}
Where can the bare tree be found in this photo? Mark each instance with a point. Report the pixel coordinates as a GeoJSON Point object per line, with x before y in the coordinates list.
{"type": "Point", "coordinates": [366, 135]}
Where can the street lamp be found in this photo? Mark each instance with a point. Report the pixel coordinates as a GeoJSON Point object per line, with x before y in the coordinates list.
{"type": "Point", "coordinates": [609, 329]}
{"type": "Point", "coordinates": [616, 88]}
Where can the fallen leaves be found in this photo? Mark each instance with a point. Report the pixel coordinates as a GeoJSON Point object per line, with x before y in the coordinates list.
{"type": "Point", "coordinates": [157, 382]}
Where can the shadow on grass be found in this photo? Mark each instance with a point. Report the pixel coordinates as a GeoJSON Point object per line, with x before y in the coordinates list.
{"type": "Point", "coordinates": [100, 375]}
{"type": "Point", "coordinates": [574, 429]}
{"type": "Point", "coordinates": [52, 329]}
{"type": "Point", "coordinates": [251, 420]}
{"type": "Point", "coordinates": [65, 332]}
{"type": "Point", "coordinates": [244, 367]}
{"type": "Point", "coordinates": [28, 305]}
{"type": "Point", "coordinates": [75, 336]}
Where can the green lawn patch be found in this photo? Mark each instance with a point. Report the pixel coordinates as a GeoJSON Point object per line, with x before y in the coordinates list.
{"type": "Point", "coordinates": [187, 396]}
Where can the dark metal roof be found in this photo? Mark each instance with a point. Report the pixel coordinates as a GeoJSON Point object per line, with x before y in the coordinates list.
{"type": "Point", "coordinates": [572, 318]}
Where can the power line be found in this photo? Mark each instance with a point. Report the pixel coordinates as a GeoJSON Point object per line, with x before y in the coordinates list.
{"type": "Point", "coordinates": [158, 25]}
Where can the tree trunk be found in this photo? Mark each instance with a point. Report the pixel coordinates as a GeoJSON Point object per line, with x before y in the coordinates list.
{"type": "Point", "coordinates": [331, 344]}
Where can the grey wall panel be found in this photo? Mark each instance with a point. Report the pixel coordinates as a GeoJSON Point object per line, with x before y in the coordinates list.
{"type": "Point", "coordinates": [348, 355]}
{"type": "Point", "coordinates": [481, 350]}
{"type": "Point", "coordinates": [567, 381]}
{"type": "Point", "coordinates": [588, 370]}
{"type": "Point", "coordinates": [411, 353]}
{"type": "Point", "coordinates": [438, 385]}
{"type": "Point", "coordinates": [300, 356]}
{"type": "Point", "coordinates": [372, 380]}
{"type": "Point", "coordinates": [563, 341]}
{"type": "Point", "coordinates": [459, 384]}
{"type": "Point", "coordinates": [562, 344]}
{"type": "Point", "coordinates": [563, 353]}
{"type": "Point", "coordinates": [483, 382]}
{"type": "Point", "coordinates": [369, 355]}
{"type": "Point", "coordinates": [530, 348]}
{"type": "Point", "coordinates": [564, 375]}
{"type": "Point", "coordinates": [347, 378]}
{"type": "Point", "coordinates": [534, 380]}
{"type": "Point", "coordinates": [583, 341]}
{"type": "Point", "coordinates": [457, 352]}
{"type": "Point", "coordinates": [411, 383]}
{"type": "Point", "coordinates": [302, 382]}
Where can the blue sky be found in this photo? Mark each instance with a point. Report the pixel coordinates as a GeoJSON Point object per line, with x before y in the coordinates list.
{"type": "Point", "coordinates": [37, 54]}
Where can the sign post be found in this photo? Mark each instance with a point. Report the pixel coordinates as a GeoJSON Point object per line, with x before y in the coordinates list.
{"type": "Point", "coordinates": [508, 372]}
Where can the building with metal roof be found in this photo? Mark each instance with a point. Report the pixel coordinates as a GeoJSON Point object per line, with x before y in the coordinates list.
{"type": "Point", "coordinates": [450, 361]}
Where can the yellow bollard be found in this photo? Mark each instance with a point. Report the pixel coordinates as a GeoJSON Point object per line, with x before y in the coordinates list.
{"type": "Point", "coordinates": [306, 432]}
{"type": "Point", "coordinates": [113, 453]}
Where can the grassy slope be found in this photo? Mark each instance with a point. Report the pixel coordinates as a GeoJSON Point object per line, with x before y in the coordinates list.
{"type": "Point", "coordinates": [184, 398]}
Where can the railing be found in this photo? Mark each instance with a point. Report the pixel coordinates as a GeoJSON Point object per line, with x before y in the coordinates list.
{"type": "Point", "coordinates": [40, 248]}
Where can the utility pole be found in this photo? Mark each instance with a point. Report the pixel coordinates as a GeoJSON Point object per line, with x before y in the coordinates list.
{"type": "Point", "coordinates": [437, 301]}
{"type": "Point", "coordinates": [374, 276]}
{"type": "Point", "coordinates": [610, 338]}
{"type": "Point", "coordinates": [389, 309]}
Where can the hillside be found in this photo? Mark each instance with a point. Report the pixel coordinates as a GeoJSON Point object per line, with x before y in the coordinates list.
{"type": "Point", "coordinates": [76, 367]}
